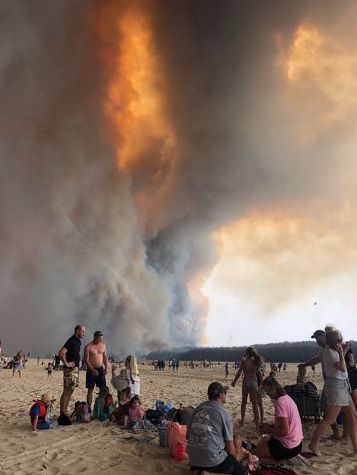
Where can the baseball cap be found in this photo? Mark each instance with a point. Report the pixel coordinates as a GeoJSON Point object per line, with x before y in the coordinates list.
{"type": "Point", "coordinates": [318, 333]}
{"type": "Point", "coordinates": [98, 333]}
{"type": "Point", "coordinates": [215, 389]}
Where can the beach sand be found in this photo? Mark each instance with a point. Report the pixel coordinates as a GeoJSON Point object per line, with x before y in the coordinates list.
{"type": "Point", "coordinates": [104, 448]}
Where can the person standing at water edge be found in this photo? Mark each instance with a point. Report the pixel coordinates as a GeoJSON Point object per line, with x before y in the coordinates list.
{"type": "Point", "coordinates": [95, 356]}
{"type": "Point", "coordinates": [19, 363]}
{"type": "Point", "coordinates": [70, 357]}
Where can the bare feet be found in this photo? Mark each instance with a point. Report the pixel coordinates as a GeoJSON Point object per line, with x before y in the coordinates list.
{"type": "Point", "coordinates": [315, 450]}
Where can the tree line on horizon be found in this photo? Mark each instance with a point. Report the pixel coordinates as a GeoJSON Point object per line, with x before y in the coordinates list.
{"type": "Point", "coordinates": [286, 352]}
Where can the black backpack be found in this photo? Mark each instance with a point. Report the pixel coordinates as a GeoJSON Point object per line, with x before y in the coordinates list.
{"type": "Point", "coordinates": [184, 415]}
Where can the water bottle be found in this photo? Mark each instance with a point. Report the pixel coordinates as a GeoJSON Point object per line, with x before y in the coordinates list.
{"type": "Point", "coordinates": [163, 435]}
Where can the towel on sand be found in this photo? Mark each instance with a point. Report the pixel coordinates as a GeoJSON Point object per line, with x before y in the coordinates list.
{"type": "Point", "coordinates": [274, 471]}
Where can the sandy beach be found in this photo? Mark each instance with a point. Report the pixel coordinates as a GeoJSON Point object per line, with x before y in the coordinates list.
{"type": "Point", "coordinates": [105, 448]}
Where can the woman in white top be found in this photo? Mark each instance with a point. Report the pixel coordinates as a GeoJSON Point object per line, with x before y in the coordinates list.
{"type": "Point", "coordinates": [128, 377]}
{"type": "Point", "coordinates": [336, 390]}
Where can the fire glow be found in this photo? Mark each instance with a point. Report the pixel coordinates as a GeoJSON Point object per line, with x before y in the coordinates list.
{"type": "Point", "coordinates": [317, 64]}
{"type": "Point", "coordinates": [135, 104]}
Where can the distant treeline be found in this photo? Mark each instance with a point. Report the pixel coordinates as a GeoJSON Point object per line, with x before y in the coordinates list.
{"type": "Point", "coordinates": [285, 352]}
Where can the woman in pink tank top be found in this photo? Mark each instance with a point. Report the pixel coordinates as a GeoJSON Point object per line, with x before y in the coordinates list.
{"type": "Point", "coordinates": [283, 438]}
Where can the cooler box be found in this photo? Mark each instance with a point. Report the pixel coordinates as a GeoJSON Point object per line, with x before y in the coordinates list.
{"type": "Point", "coordinates": [177, 435]}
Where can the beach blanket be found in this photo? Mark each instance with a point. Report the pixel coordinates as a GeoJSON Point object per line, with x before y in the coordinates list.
{"type": "Point", "coordinates": [273, 471]}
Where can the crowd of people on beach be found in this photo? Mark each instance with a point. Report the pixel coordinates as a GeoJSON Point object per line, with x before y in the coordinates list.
{"type": "Point", "coordinates": [211, 429]}
{"type": "Point", "coordinates": [127, 384]}
{"type": "Point", "coordinates": [211, 444]}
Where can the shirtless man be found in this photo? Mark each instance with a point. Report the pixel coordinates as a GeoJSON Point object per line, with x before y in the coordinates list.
{"type": "Point", "coordinates": [95, 356]}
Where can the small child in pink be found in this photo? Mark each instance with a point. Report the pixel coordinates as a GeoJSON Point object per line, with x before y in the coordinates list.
{"type": "Point", "coordinates": [136, 411]}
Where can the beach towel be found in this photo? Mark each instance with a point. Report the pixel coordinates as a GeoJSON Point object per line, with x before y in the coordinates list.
{"type": "Point", "coordinates": [273, 471]}
{"type": "Point", "coordinates": [141, 426]}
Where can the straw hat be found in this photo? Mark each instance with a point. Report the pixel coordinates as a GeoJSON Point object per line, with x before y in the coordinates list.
{"type": "Point", "coordinates": [47, 397]}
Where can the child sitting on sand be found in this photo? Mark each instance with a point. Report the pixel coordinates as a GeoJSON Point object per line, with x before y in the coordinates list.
{"type": "Point", "coordinates": [136, 411]}
{"type": "Point", "coordinates": [103, 405]}
{"type": "Point", "coordinates": [122, 411]}
{"type": "Point", "coordinates": [243, 455]}
{"type": "Point", "coordinates": [42, 412]}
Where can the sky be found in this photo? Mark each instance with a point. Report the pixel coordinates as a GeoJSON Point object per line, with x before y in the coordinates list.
{"type": "Point", "coordinates": [177, 173]}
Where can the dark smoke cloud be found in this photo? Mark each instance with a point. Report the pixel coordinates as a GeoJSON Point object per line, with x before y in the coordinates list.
{"type": "Point", "coordinates": [237, 128]}
{"type": "Point", "coordinates": [71, 250]}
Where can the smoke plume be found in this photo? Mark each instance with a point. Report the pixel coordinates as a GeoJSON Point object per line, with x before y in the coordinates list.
{"type": "Point", "coordinates": [132, 131]}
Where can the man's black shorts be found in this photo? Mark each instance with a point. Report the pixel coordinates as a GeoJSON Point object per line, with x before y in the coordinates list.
{"type": "Point", "coordinates": [229, 465]}
{"type": "Point", "coordinates": [92, 380]}
{"type": "Point", "coordinates": [279, 452]}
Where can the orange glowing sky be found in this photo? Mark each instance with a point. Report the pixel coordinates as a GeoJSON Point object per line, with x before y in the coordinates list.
{"type": "Point", "coordinates": [136, 106]}
{"type": "Point", "coordinates": [273, 263]}
{"type": "Point", "coordinates": [275, 267]}
{"type": "Point", "coordinates": [276, 263]}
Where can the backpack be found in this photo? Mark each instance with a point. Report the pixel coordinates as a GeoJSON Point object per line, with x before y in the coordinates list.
{"type": "Point", "coordinates": [160, 406]}
{"type": "Point", "coordinates": [51, 411]}
{"type": "Point", "coordinates": [172, 414]}
{"type": "Point", "coordinates": [153, 415]}
{"type": "Point", "coordinates": [184, 415]}
{"type": "Point", "coordinates": [81, 412]}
